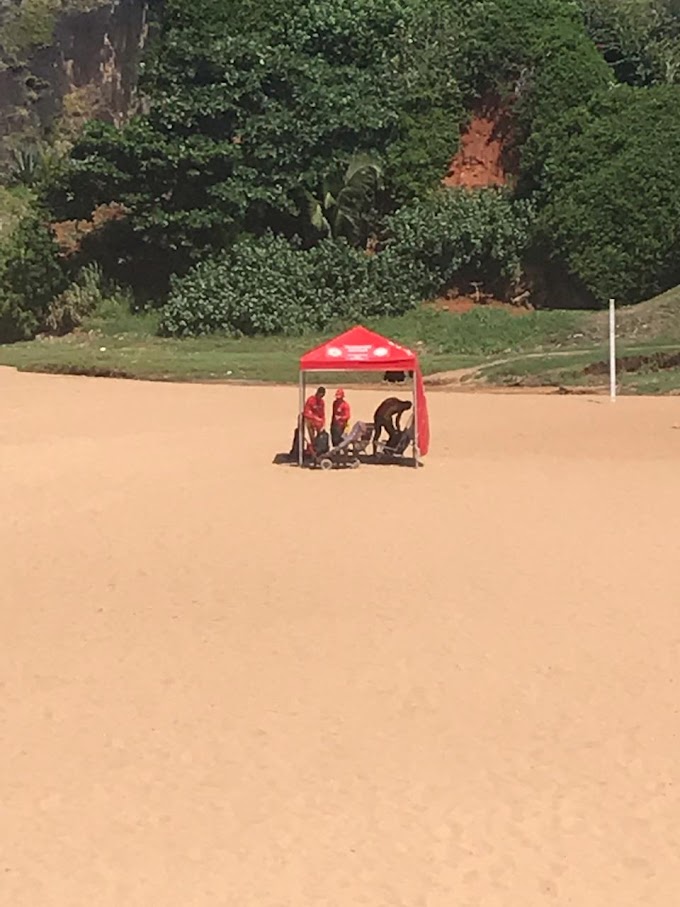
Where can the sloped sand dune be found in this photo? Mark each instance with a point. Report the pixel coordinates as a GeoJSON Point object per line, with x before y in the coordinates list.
{"type": "Point", "coordinates": [229, 683]}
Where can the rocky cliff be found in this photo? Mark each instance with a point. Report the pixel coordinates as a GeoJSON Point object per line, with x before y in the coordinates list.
{"type": "Point", "coordinates": [65, 61]}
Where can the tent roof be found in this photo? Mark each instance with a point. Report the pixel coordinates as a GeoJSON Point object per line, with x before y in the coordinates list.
{"type": "Point", "coordinates": [361, 350]}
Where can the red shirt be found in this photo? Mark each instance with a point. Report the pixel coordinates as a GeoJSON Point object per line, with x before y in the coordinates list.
{"type": "Point", "coordinates": [315, 411]}
{"type": "Point", "coordinates": [341, 412]}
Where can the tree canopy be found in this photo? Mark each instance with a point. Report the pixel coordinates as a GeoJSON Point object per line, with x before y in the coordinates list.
{"type": "Point", "coordinates": [611, 204]}
{"type": "Point", "coordinates": [247, 111]}
{"type": "Point", "coordinates": [277, 128]}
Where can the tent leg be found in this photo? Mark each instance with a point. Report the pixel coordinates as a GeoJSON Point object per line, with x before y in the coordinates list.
{"type": "Point", "coordinates": [301, 420]}
{"type": "Point", "coordinates": [415, 418]}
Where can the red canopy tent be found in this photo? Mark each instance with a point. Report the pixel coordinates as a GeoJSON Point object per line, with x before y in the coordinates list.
{"type": "Point", "coordinates": [361, 350]}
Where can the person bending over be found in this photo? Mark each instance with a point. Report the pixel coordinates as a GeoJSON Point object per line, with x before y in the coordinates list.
{"type": "Point", "coordinates": [314, 414]}
{"type": "Point", "coordinates": [388, 416]}
{"type": "Point", "coordinates": [341, 417]}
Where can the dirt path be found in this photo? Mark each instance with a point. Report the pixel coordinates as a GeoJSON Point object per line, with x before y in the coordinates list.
{"type": "Point", "coordinates": [457, 377]}
{"type": "Point", "coordinates": [229, 683]}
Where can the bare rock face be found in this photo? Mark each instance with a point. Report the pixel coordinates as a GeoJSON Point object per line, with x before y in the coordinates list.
{"type": "Point", "coordinates": [63, 62]}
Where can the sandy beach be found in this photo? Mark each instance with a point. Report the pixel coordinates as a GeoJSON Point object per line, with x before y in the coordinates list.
{"type": "Point", "coordinates": [226, 683]}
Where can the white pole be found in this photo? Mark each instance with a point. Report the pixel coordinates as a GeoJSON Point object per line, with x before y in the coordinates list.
{"type": "Point", "coordinates": [612, 350]}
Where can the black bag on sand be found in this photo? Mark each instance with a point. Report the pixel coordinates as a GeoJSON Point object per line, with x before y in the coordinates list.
{"type": "Point", "coordinates": [322, 443]}
{"type": "Point", "coordinates": [394, 377]}
{"type": "Point", "coordinates": [398, 443]}
{"type": "Point", "coordinates": [294, 454]}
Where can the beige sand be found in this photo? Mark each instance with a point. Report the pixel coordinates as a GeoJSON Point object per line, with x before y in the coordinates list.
{"type": "Point", "coordinates": [225, 682]}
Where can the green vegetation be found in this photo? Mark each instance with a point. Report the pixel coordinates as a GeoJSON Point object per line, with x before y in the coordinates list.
{"type": "Point", "coordinates": [610, 193]}
{"type": "Point", "coordinates": [285, 177]}
{"type": "Point", "coordinates": [30, 277]}
{"type": "Point", "coordinates": [492, 346]}
{"type": "Point", "coordinates": [268, 287]}
{"type": "Point", "coordinates": [457, 236]}
{"type": "Point", "coordinates": [15, 203]}
{"type": "Point", "coordinates": [38, 293]}
{"type": "Point", "coordinates": [29, 24]}
{"type": "Point", "coordinates": [640, 39]}
{"type": "Point", "coordinates": [343, 206]}
{"type": "Point", "coordinates": [245, 123]}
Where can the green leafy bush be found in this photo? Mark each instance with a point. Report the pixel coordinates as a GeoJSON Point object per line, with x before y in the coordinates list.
{"type": "Point", "coordinates": [15, 204]}
{"type": "Point", "coordinates": [357, 32]}
{"type": "Point", "coordinates": [481, 234]}
{"type": "Point", "coordinates": [533, 54]}
{"type": "Point", "coordinates": [503, 40]}
{"type": "Point", "coordinates": [253, 107]}
{"type": "Point", "coordinates": [31, 275]}
{"type": "Point", "coordinates": [80, 299]}
{"type": "Point", "coordinates": [611, 204]}
{"type": "Point", "coordinates": [568, 73]}
{"type": "Point", "coordinates": [640, 39]}
{"type": "Point", "coordinates": [242, 119]}
{"type": "Point", "coordinates": [267, 286]}
{"type": "Point", "coordinates": [427, 63]}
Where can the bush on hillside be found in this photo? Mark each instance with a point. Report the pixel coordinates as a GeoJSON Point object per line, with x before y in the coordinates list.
{"type": "Point", "coordinates": [570, 73]}
{"type": "Point", "coordinates": [640, 39]}
{"type": "Point", "coordinates": [81, 298]}
{"type": "Point", "coordinates": [504, 39]}
{"type": "Point", "coordinates": [427, 67]}
{"type": "Point", "coordinates": [481, 235]}
{"type": "Point", "coordinates": [241, 120]}
{"type": "Point", "coordinates": [611, 204]}
{"type": "Point", "coordinates": [266, 286]}
{"type": "Point", "coordinates": [31, 275]}
{"type": "Point", "coordinates": [533, 54]}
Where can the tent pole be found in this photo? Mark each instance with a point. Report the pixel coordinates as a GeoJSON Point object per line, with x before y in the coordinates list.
{"type": "Point", "coordinates": [301, 418]}
{"type": "Point", "coordinates": [415, 418]}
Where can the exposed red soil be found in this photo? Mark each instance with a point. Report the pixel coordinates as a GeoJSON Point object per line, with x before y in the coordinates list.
{"type": "Point", "coordinates": [479, 161]}
{"type": "Point", "coordinates": [70, 233]}
{"type": "Point", "coordinates": [653, 362]}
{"type": "Point", "coordinates": [459, 304]}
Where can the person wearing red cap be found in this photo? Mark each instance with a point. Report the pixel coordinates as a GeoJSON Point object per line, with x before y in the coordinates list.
{"type": "Point", "coordinates": [340, 418]}
{"type": "Point", "coordinates": [314, 414]}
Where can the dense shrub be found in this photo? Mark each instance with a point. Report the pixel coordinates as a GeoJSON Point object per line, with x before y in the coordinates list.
{"type": "Point", "coordinates": [640, 39]}
{"type": "Point", "coordinates": [31, 275]}
{"type": "Point", "coordinates": [535, 56]}
{"type": "Point", "coordinates": [504, 40]}
{"type": "Point", "coordinates": [252, 108]}
{"type": "Point", "coordinates": [611, 204]}
{"type": "Point", "coordinates": [569, 74]}
{"type": "Point", "coordinates": [267, 286]}
{"type": "Point", "coordinates": [482, 234]}
{"type": "Point", "coordinates": [244, 117]}
{"type": "Point", "coordinates": [80, 299]}
{"type": "Point", "coordinates": [427, 67]}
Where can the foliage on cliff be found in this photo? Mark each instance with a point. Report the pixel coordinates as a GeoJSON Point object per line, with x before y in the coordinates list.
{"type": "Point", "coordinates": [253, 109]}
{"type": "Point", "coordinates": [609, 183]}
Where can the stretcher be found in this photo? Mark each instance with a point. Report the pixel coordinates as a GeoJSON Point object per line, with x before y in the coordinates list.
{"type": "Point", "coordinates": [347, 452]}
{"type": "Point", "coordinates": [397, 444]}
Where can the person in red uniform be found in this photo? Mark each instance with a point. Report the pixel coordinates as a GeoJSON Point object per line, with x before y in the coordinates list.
{"type": "Point", "coordinates": [341, 416]}
{"type": "Point", "coordinates": [314, 414]}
